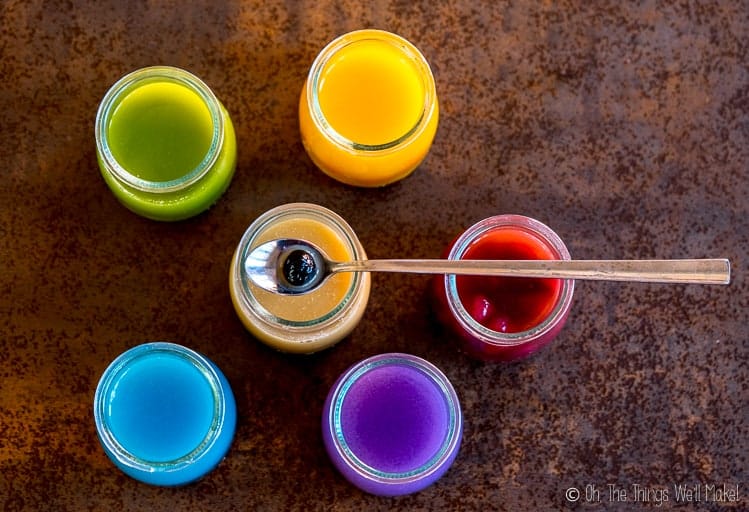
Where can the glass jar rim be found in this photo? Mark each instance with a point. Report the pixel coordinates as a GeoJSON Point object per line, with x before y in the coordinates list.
{"type": "Point", "coordinates": [246, 244]}
{"type": "Point", "coordinates": [125, 86]}
{"type": "Point", "coordinates": [114, 371]}
{"type": "Point", "coordinates": [508, 339]}
{"type": "Point", "coordinates": [452, 435]}
{"type": "Point", "coordinates": [409, 49]}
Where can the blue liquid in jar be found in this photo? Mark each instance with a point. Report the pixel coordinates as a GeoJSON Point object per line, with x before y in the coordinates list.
{"type": "Point", "coordinates": [160, 408]}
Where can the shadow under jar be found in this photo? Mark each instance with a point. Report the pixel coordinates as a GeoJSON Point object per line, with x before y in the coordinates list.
{"type": "Point", "coordinates": [504, 318]}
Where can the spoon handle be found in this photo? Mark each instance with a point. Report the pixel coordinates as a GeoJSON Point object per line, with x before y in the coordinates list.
{"type": "Point", "coordinates": [699, 271]}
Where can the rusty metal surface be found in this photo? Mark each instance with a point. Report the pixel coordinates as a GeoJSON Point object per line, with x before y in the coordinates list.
{"type": "Point", "coordinates": [622, 125]}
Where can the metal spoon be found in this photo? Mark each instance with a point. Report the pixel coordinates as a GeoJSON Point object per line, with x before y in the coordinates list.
{"type": "Point", "coordinates": [292, 267]}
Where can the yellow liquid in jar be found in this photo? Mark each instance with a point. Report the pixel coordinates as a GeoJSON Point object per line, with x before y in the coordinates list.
{"type": "Point", "coordinates": [323, 300]}
{"type": "Point", "coordinates": [379, 98]}
{"type": "Point", "coordinates": [371, 93]}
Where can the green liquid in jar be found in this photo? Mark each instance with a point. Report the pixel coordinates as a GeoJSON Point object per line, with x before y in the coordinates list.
{"type": "Point", "coordinates": [166, 135]}
{"type": "Point", "coordinates": [160, 131]}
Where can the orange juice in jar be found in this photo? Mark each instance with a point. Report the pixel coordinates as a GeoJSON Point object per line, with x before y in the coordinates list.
{"type": "Point", "coordinates": [368, 111]}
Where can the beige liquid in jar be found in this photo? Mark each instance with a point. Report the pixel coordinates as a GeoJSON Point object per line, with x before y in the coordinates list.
{"type": "Point", "coordinates": [306, 323]}
{"type": "Point", "coordinates": [320, 302]}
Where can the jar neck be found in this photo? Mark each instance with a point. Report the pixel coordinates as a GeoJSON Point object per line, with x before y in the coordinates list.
{"type": "Point", "coordinates": [129, 83]}
{"type": "Point", "coordinates": [315, 82]}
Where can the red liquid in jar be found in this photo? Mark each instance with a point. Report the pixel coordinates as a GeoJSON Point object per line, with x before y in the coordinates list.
{"type": "Point", "coordinates": [508, 304]}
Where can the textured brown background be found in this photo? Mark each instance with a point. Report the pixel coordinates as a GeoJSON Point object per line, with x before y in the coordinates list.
{"type": "Point", "coordinates": [623, 125]}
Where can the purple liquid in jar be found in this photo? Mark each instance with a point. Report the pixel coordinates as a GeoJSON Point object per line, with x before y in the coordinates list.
{"type": "Point", "coordinates": [395, 418]}
{"type": "Point", "coordinates": [392, 424]}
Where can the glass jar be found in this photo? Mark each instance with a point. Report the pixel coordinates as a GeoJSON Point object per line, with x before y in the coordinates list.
{"type": "Point", "coordinates": [368, 111]}
{"type": "Point", "coordinates": [165, 415]}
{"type": "Point", "coordinates": [392, 424]}
{"type": "Point", "coordinates": [318, 319]}
{"type": "Point", "coordinates": [166, 146]}
{"type": "Point", "coordinates": [504, 318]}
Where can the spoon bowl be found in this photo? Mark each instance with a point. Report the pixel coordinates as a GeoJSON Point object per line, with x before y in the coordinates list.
{"type": "Point", "coordinates": [286, 266]}
{"type": "Point", "coordinates": [292, 267]}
